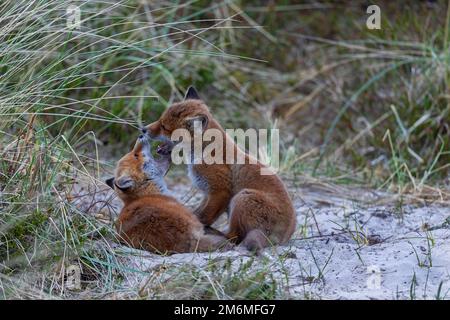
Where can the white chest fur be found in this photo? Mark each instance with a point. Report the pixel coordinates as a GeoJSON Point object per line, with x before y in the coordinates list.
{"type": "Point", "coordinates": [198, 181]}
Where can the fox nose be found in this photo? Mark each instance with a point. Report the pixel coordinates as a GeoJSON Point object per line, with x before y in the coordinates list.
{"type": "Point", "coordinates": [144, 130]}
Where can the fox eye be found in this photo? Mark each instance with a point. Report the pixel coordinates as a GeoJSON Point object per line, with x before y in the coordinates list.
{"type": "Point", "coordinates": [163, 127]}
{"type": "Point", "coordinates": [136, 156]}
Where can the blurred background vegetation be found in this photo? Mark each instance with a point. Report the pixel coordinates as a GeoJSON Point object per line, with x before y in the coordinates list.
{"type": "Point", "coordinates": [353, 105]}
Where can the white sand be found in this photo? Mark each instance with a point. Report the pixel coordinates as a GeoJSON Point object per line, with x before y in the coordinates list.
{"type": "Point", "coordinates": [381, 269]}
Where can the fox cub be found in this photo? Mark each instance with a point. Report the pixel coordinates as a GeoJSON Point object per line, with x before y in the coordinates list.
{"type": "Point", "coordinates": [151, 219]}
{"type": "Point", "coordinates": [260, 210]}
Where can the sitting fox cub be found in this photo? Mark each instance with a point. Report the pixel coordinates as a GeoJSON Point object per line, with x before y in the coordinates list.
{"type": "Point", "coordinates": [260, 210]}
{"type": "Point", "coordinates": [151, 219]}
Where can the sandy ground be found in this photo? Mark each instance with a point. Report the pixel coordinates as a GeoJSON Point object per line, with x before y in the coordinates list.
{"type": "Point", "coordinates": [342, 249]}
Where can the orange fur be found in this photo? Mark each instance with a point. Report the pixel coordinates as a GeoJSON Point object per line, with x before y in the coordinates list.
{"type": "Point", "coordinates": [151, 219]}
{"type": "Point", "coordinates": [255, 201]}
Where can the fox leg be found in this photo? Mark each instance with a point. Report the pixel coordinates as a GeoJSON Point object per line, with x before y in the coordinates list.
{"type": "Point", "coordinates": [255, 240]}
{"type": "Point", "coordinates": [253, 220]}
{"type": "Point", "coordinates": [212, 207]}
{"type": "Point", "coordinates": [209, 242]}
{"type": "Point", "coordinates": [212, 231]}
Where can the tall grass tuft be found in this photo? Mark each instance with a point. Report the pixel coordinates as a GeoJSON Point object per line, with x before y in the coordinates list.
{"type": "Point", "coordinates": [67, 87]}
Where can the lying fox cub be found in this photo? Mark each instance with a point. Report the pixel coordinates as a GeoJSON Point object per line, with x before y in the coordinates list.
{"type": "Point", "coordinates": [151, 219]}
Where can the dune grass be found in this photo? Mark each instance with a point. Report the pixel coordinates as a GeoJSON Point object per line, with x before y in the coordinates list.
{"type": "Point", "coordinates": [64, 91]}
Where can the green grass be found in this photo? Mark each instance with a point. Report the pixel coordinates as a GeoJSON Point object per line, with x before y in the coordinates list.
{"type": "Point", "coordinates": [65, 93]}
{"type": "Point", "coordinates": [240, 279]}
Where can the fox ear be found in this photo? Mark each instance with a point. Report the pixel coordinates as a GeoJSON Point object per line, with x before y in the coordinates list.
{"type": "Point", "coordinates": [201, 118]}
{"type": "Point", "coordinates": [191, 93]}
{"type": "Point", "coordinates": [124, 183]}
{"type": "Point", "coordinates": [110, 182]}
